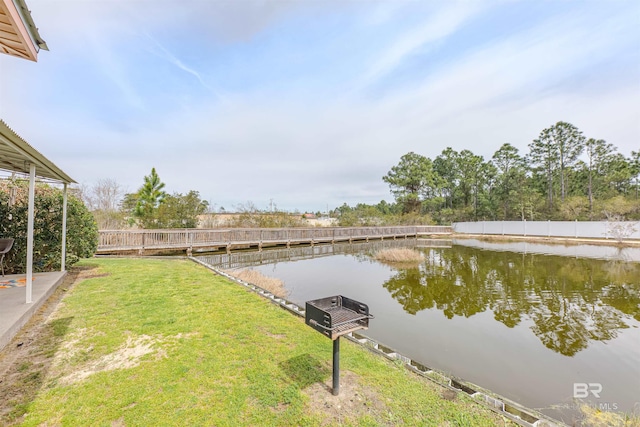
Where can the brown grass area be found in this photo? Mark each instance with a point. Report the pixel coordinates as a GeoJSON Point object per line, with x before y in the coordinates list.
{"type": "Point", "coordinates": [403, 255]}
{"type": "Point", "coordinates": [596, 418]}
{"type": "Point", "coordinates": [271, 284]}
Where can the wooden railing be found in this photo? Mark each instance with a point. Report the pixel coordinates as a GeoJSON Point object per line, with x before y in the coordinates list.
{"type": "Point", "coordinates": [111, 241]}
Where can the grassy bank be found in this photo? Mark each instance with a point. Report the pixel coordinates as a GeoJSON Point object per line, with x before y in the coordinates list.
{"type": "Point", "coordinates": [166, 342]}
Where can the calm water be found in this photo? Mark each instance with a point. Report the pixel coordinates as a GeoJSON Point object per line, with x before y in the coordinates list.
{"type": "Point", "coordinates": [524, 325]}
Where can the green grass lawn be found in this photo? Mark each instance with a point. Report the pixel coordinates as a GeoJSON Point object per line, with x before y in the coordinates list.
{"type": "Point", "coordinates": [157, 342]}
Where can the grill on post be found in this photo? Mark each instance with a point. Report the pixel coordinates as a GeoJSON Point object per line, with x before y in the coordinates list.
{"type": "Point", "coordinates": [333, 317]}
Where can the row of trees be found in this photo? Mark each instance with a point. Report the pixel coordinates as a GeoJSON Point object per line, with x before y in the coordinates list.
{"type": "Point", "coordinates": [564, 176]}
{"type": "Point", "coordinates": [152, 207]}
{"type": "Point", "coordinates": [149, 207]}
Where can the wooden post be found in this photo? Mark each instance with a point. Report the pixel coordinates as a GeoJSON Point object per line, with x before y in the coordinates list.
{"type": "Point", "coordinates": [141, 250]}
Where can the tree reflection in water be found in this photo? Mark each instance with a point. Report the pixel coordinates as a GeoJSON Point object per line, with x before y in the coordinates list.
{"type": "Point", "coordinates": [569, 300]}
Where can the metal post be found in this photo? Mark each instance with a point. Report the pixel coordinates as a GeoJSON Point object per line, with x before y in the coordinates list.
{"type": "Point", "coordinates": [63, 261]}
{"type": "Point", "coordinates": [336, 366]}
{"type": "Point", "coordinates": [30, 215]}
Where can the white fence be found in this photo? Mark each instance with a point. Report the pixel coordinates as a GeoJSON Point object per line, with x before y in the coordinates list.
{"type": "Point", "coordinates": [577, 229]}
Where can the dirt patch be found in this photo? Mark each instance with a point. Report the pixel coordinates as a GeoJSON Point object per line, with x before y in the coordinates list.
{"type": "Point", "coordinates": [127, 356]}
{"type": "Point", "coordinates": [353, 402]}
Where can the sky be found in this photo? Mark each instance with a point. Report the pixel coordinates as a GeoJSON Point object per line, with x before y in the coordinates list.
{"type": "Point", "coordinates": [308, 104]}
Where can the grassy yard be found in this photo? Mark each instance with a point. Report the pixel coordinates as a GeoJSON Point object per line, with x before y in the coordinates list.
{"type": "Point", "coordinates": [145, 342]}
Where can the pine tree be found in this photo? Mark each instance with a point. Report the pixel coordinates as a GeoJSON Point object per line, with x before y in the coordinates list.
{"type": "Point", "coordinates": [150, 196]}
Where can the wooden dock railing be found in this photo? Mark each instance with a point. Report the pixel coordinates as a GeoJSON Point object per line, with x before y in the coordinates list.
{"type": "Point", "coordinates": [115, 241]}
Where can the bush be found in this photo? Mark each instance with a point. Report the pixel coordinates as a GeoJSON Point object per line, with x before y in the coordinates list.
{"type": "Point", "coordinates": [402, 255]}
{"type": "Point", "coordinates": [82, 230]}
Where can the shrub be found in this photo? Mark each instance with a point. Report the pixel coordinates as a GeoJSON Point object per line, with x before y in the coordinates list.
{"type": "Point", "coordinates": [271, 284]}
{"type": "Point", "coordinates": [82, 231]}
{"type": "Point", "coordinates": [402, 255]}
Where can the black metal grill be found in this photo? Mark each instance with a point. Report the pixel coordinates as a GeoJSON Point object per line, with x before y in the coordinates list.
{"type": "Point", "coordinates": [336, 316]}
{"type": "Point", "coordinates": [333, 317]}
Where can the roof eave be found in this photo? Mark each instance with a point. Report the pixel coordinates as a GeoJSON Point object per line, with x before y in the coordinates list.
{"type": "Point", "coordinates": [44, 167]}
{"type": "Point", "coordinates": [25, 14]}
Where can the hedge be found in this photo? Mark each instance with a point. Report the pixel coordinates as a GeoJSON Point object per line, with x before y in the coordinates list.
{"type": "Point", "coordinates": [82, 230]}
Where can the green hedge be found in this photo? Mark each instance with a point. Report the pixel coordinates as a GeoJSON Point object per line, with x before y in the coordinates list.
{"type": "Point", "coordinates": [82, 230]}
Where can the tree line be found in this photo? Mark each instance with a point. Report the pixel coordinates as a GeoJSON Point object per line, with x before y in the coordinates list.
{"type": "Point", "coordinates": [564, 176]}
{"type": "Point", "coordinates": [149, 207]}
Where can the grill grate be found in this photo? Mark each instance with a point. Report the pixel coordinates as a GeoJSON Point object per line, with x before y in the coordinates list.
{"type": "Point", "coordinates": [338, 315]}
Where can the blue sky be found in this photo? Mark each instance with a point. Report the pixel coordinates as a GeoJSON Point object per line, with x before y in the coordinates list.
{"type": "Point", "coordinates": [310, 103]}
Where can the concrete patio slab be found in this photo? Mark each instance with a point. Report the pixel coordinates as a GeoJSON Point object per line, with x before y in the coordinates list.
{"type": "Point", "coordinates": [14, 311]}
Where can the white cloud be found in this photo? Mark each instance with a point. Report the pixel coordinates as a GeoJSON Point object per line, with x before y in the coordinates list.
{"type": "Point", "coordinates": [441, 24]}
{"type": "Point", "coordinates": [162, 52]}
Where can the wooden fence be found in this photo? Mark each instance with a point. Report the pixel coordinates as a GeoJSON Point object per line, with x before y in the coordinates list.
{"type": "Point", "coordinates": [116, 241]}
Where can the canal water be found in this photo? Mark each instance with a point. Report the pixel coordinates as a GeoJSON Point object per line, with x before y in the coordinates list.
{"type": "Point", "coordinates": [538, 324]}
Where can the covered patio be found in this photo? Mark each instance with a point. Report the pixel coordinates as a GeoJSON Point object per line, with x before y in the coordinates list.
{"type": "Point", "coordinates": [22, 294]}
{"type": "Point", "coordinates": [14, 312]}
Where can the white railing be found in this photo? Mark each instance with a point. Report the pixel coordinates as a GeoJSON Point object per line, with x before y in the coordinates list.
{"type": "Point", "coordinates": [621, 230]}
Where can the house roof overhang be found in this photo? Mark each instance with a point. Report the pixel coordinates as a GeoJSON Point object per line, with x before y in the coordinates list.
{"type": "Point", "coordinates": [18, 33]}
{"type": "Point", "coordinates": [16, 155]}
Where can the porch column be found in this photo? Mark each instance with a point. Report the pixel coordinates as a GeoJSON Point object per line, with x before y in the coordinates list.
{"type": "Point", "coordinates": [64, 228]}
{"type": "Point", "coordinates": [32, 186]}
